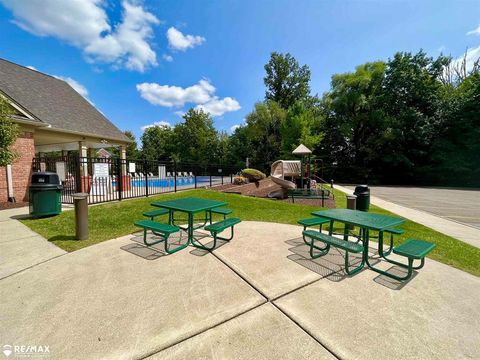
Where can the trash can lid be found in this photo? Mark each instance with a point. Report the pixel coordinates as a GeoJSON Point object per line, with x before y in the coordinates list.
{"type": "Point", "coordinates": [361, 189]}
{"type": "Point", "coordinates": [80, 195]}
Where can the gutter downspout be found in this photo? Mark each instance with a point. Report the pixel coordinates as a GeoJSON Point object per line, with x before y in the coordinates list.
{"type": "Point", "coordinates": [11, 198]}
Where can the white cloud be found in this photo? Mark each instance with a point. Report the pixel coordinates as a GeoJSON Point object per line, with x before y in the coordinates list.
{"type": "Point", "coordinates": [166, 95]}
{"type": "Point", "coordinates": [157, 123]}
{"type": "Point", "coordinates": [79, 88]}
{"type": "Point", "coordinates": [217, 107]}
{"type": "Point", "coordinates": [235, 127]}
{"type": "Point", "coordinates": [201, 94]}
{"type": "Point", "coordinates": [167, 57]}
{"type": "Point", "coordinates": [178, 41]}
{"type": "Point", "coordinates": [85, 24]}
{"type": "Point", "coordinates": [473, 55]}
{"type": "Point", "coordinates": [474, 31]}
{"type": "Point", "coordinates": [31, 67]}
{"type": "Point", "coordinates": [180, 113]}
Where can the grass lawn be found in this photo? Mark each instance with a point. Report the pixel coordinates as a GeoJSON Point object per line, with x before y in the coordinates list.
{"type": "Point", "coordinates": [111, 220]}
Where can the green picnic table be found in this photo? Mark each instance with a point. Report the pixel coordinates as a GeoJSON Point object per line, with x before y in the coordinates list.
{"type": "Point", "coordinates": [190, 206]}
{"type": "Point", "coordinates": [365, 221]}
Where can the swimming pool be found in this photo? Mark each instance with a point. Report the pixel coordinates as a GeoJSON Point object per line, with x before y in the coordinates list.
{"type": "Point", "coordinates": [170, 182]}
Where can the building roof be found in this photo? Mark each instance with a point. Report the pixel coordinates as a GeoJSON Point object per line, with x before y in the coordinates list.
{"type": "Point", "coordinates": [302, 150]}
{"type": "Point", "coordinates": [53, 102]}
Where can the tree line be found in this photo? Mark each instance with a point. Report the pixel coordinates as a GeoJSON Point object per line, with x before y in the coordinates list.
{"type": "Point", "coordinates": [412, 119]}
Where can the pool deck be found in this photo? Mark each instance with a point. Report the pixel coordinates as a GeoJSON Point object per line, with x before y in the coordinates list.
{"type": "Point", "coordinates": [258, 296]}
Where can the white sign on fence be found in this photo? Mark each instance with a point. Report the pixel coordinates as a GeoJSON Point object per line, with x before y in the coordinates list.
{"type": "Point", "coordinates": [131, 167]}
{"type": "Point", "coordinates": [100, 170]}
{"type": "Point", "coordinates": [162, 174]}
{"type": "Point", "coordinates": [101, 179]}
{"type": "Point", "coordinates": [60, 167]}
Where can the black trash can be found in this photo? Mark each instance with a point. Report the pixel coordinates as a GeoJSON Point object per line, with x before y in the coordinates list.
{"type": "Point", "coordinates": [363, 197]}
{"type": "Point", "coordinates": [45, 194]}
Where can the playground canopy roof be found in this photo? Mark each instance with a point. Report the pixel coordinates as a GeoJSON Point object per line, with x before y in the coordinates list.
{"type": "Point", "coordinates": [302, 150]}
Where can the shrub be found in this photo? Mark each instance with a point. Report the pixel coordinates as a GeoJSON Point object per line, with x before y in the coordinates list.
{"type": "Point", "coordinates": [8, 133]}
{"type": "Point", "coordinates": [240, 180]}
{"type": "Point", "coordinates": [253, 174]}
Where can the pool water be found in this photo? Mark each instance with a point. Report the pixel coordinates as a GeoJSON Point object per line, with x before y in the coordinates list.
{"type": "Point", "coordinates": [155, 182]}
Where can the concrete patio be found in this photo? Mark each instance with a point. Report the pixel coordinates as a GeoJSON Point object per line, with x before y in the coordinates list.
{"type": "Point", "coordinates": [258, 296]}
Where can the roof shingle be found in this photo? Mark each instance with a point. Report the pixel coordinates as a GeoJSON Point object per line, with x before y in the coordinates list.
{"type": "Point", "coordinates": [54, 102]}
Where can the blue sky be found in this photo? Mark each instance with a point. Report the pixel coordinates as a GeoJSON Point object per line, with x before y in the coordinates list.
{"type": "Point", "coordinates": [142, 62]}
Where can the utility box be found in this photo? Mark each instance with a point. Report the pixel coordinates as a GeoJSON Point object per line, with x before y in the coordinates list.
{"type": "Point", "coordinates": [352, 205]}
{"type": "Point", "coordinates": [45, 194]}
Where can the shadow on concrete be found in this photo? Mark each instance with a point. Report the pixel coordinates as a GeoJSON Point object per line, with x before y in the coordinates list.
{"type": "Point", "coordinates": [200, 252]}
{"type": "Point", "coordinates": [330, 266]}
{"type": "Point", "coordinates": [143, 251]}
{"type": "Point", "coordinates": [22, 217]}
{"type": "Point", "coordinates": [392, 283]}
{"type": "Point", "coordinates": [153, 252]}
{"type": "Point", "coordinates": [156, 251]}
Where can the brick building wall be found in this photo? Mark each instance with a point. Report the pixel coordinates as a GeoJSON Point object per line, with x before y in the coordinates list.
{"type": "Point", "coordinates": [21, 168]}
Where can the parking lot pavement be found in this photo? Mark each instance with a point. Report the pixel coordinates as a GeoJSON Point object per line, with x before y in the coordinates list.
{"type": "Point", "coordinates": [458, 205]}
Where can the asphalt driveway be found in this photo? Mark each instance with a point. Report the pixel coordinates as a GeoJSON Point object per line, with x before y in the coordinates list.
{"type": "Point", "coordinates": [458, 205]}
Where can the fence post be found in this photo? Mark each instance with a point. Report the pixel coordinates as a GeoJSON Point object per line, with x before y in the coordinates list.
{"type": "Point", "coordinates": [210, 179]}
{"type": "Point", "coordinates": [175, 175]}
{"type": "Point", "coordinates": [231, 177]}
{"type": "Point", "coordinates": [120, 178]}
{"type": "Point", "coordinates": [195, 176]}
{"type": "Point", "coordinates": [146, 176]}
{"type": "Point", "coordinates": [78, 174]}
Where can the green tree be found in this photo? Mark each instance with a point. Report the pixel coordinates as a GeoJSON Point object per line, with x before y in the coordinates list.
{"type": "Point", "coordinates": [263, 126]}
{"type": "Point", "coordinates": [196, 138]}
{"type": "Point", "coordinates": [8, 133]}
{"type": "Point", "coordinates": [223, 148]}
{"type": "Point", "coordinates": [286, 81]}
{"type": "Point", "coordinates": [302, 125]}
{"type": "Point", "coordinates": [158, 143]}
{"type": "Point", "coordinates": [457, 147]}
{"type": "Point", "coordinates": [412, 102]}
{"type": "Point", "coordinates": [354, 118]}
{"type": "Point", "coordinates": [240, 146]}
{"type": "Point", "coordinates": [131, 148]}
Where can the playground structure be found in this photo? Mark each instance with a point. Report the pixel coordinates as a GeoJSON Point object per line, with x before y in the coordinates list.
{"type": "Point", "coordinates": [298, 178]}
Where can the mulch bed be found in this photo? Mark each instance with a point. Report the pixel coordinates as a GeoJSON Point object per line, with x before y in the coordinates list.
{"type": "Point", "coordinates": [265, 187]}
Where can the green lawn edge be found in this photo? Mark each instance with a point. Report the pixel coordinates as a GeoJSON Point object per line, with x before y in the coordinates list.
{"type": "Point", "coordinates": [112, 220]}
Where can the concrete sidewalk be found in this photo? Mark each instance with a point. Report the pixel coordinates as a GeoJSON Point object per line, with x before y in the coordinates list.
{"type": "Point", "coordinates": [468, 234]}
{"type": "Point", "coordinates": [20, 247]}
{"type": "Point", "coordinates": [258, 296]}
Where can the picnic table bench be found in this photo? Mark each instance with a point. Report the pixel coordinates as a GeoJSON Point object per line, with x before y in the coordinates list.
{"type": "Point", "coordinates": [217, 228]}
{"type": "Point", "coordinates": [189, 206]}
{"type": "Point", "coordinates": [412, 249]}
{"type": "Point", "coordinates": [329, 240]}
{"type": "Point", "coordinates": [159, 229]}
{"type": "Point", "coordinates": [152, 214]}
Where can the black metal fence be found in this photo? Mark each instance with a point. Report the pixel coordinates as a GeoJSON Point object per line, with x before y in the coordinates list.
{"type": "Point", "coordinates": [110, 179]}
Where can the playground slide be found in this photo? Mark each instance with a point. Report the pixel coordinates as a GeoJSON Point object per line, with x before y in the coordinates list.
{"type": "Point", "coordinates": [283, 183]}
